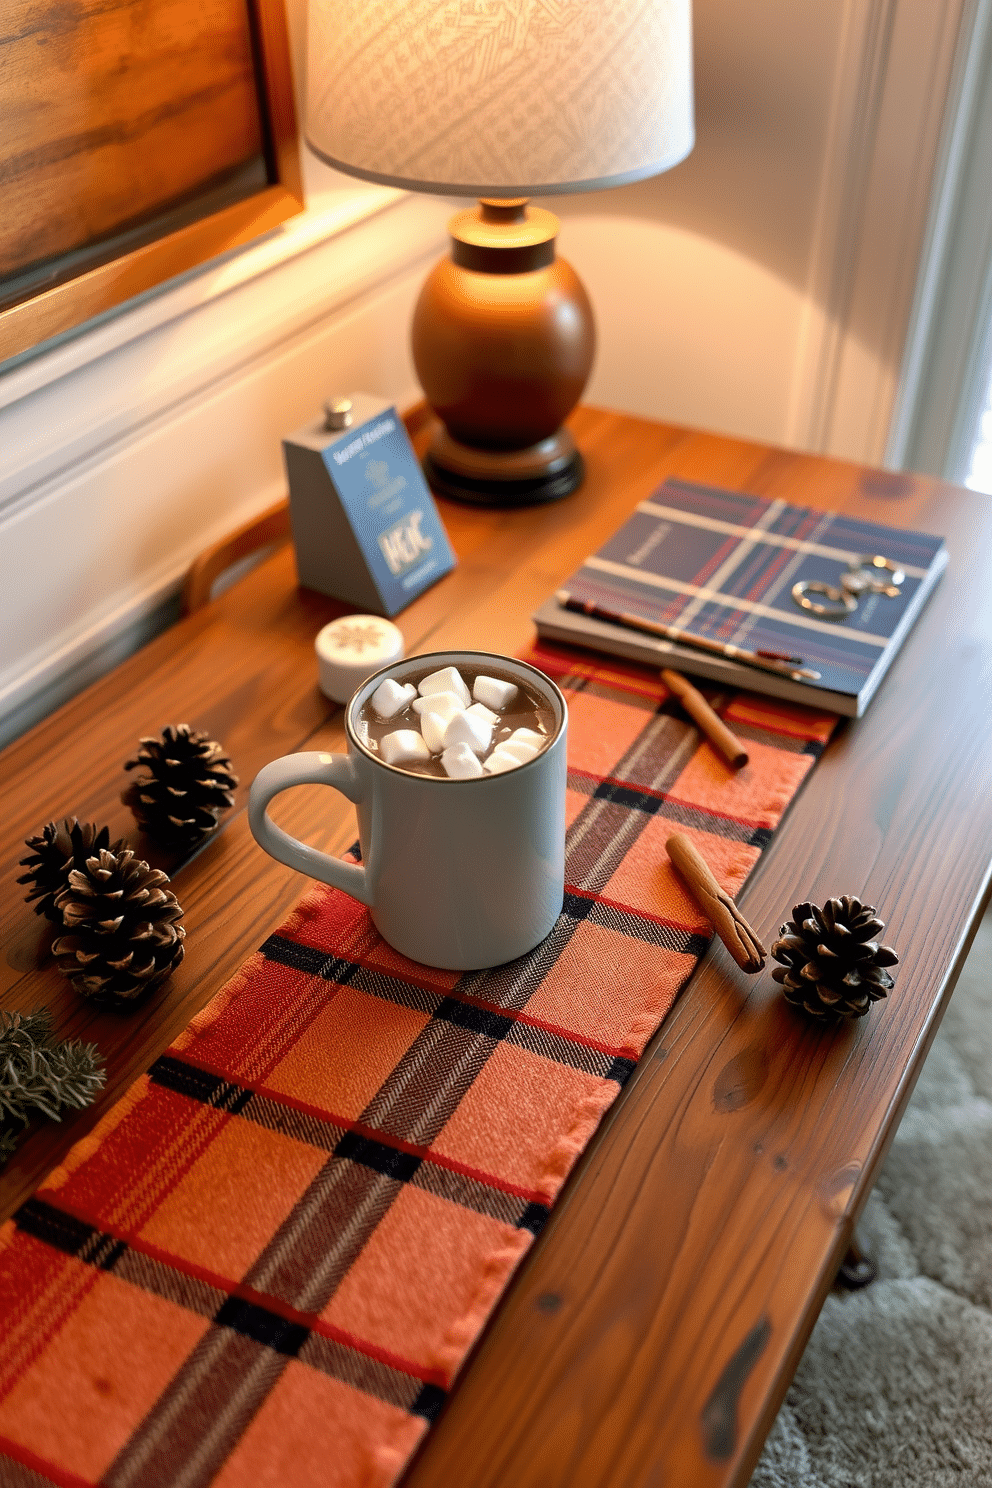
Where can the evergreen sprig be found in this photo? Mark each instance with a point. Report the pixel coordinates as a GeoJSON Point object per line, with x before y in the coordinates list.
{"type": "Point", "coordinates": [39, 1074]}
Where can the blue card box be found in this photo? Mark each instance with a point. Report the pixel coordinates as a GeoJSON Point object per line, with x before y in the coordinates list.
{"type": "Point", "coordinates": [365, 526]}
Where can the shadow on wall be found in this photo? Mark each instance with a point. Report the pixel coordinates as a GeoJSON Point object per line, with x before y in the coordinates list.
{"type": "Point", "coordinates": [688, 330]}
{"type": "Point", "coordinates": [765, 83]}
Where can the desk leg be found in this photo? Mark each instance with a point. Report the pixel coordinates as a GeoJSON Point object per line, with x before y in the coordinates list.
{"type": "Point", "coordinates": [857, 1269]}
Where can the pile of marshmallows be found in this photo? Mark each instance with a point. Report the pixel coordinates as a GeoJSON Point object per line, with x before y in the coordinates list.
{"type": "Point", "coordinates": [454, 726]}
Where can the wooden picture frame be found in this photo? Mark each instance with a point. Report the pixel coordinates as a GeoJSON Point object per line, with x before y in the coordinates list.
{"type": "Point", "coordinates": [163, 250]}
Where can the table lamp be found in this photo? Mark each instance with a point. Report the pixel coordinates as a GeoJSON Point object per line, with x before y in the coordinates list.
{"type": "Point", "coordinates": [501, 100]}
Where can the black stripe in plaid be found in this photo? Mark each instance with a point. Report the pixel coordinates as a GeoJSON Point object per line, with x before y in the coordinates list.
{"type": "Point", "coordinates": [200, 1085]}
{"type": "Point", "coordinates": [624, 922]}
{"type": "Point", "coordinates": [379, 1156]}
{"type": "Point", "coordinates": [263, 1326]}
{"type": "Point", "coordinates": [492, 984]}
{"type": "Point", "coordinates": [634, 798]}
{"type": "Point", "coordinates": [604, 831]}
{"type": "Point", "coordinates": [74, 1237]}
{"type": "Point", "coordinates": [70, 1235]}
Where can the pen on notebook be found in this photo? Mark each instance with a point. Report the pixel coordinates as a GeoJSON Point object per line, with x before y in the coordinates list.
{"type": "Point", "coordinates": [686, 638]}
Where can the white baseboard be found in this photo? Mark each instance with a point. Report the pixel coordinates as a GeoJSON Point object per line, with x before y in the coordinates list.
{"type": "Point", "coordinates": [82, 660]}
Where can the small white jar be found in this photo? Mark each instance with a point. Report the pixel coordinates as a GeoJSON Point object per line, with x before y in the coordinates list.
{"type": "Point", "coordinates": [351, 649]}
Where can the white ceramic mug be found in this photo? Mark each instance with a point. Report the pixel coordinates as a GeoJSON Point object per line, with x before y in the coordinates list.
{"type": "Point", "coordinates": [459, 874]}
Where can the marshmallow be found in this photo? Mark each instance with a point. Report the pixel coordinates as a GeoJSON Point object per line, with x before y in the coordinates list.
{"type": "Point", "coordinates": [527, 736]}
{"type": "Point", "coordinates": [445, 704]}
{"type": "Point", "coordinates": [499, 761]}
{"type": "Point", "coordinates": [487, 715]}
{"type": "Point", "coordinates": [460, 763]}
{"type": "Point", "coordinates": [432, 726]}
{"type": "Point", "coordinates": [494, 693]}
{"type": "Point", "coordinates": [466, 729]}
{"type": "Point", "coordinates": [389, 697]}
{"type": "Point", "coordinates": [448, 679]}
{"type": "Point", "coordinates": [404, 746]}
{"type": "Point", "coordinates": [517, 749]}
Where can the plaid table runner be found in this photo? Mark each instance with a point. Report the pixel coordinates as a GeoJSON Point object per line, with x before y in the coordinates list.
{"type": "Point", "coordinates": [265, 1266]}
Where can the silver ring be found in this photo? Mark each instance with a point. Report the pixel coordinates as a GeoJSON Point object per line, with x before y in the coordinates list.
{"type": "Point", "coordinates": [865, 573]}
{"type": "Point", "coordinates": [840, 597]}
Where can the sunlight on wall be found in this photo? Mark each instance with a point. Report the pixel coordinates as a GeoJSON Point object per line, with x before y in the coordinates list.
{"type": "Point", "coordinates": [979, 476]}
{"type": "Point", "coordinates": [689, 330]}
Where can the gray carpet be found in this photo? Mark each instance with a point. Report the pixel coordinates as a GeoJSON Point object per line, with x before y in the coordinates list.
{"type": "Point", "coordinates": [895, 1387]}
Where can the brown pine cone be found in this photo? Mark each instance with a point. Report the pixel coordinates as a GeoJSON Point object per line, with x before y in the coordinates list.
{"type": "Point", "coordinates": [55, 850]}
{"type": "Point", "coordinates": [190, 782]}
{"type": "Point", "coordinates": [832, 965]}
{"type": "Point", "coordinates": [123, 935]}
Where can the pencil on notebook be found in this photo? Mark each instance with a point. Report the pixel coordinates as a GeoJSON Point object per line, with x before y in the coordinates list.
{"type": "Point", "coordinates": [686, 638]}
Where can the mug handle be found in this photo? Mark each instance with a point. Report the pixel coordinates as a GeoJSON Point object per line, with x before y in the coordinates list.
{"type": "Point", "coordinates": [336, 770]}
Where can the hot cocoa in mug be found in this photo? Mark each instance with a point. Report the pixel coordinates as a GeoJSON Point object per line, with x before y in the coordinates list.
{"type": "Point", "coordinates": [456, 764]}
{"type": "Point", "coordinates": [456, 723]}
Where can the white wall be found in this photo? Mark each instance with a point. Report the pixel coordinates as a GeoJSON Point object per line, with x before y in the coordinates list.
{"type": "Point", "coordinates": [116, 472]}
{"type": "Point", "coordinates": [764, 287]}
{"type": "Point", "coordinates": [761, 288]}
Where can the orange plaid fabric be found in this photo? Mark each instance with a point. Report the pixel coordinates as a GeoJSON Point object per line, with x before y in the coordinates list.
{"type": "Point", "coordinates": [266, 1265]}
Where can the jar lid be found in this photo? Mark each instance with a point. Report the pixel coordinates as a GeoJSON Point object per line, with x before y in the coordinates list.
{"type": "Point", "coordinates": [351, 649]}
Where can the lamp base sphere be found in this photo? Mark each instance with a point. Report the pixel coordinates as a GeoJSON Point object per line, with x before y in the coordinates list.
{"type": "Point", "coordinates": [503, 343]}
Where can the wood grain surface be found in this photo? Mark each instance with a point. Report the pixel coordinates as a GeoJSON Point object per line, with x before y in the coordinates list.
{"type": "Point", "coordinates": [140, 138]}
{"type": "Point", "coordinates": [652, 1332]}
{"type": "Point", "coordinates": [112, 112]}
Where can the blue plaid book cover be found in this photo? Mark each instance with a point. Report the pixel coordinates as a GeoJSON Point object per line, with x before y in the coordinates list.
{"type": "Point", "coordinates": [724, 566]}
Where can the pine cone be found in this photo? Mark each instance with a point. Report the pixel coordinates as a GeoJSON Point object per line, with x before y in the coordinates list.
{"type": "Point", "coordinates": [54, 851]}
{"type": "Point", "coordinates": [831, 964]}
{"type": "Point", "coordinates": [123, 937]}
{"type": "Point", "coordinates": [190, 784]}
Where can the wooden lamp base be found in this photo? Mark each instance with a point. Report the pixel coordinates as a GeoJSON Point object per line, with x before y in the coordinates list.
{"type": "Point", "coordinates": [503, 342]}
{"type": "Point", "coordinates": [544, 471]}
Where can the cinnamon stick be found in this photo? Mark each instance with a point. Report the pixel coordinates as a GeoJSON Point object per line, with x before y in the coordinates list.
{"type": "Point", "coordinates": [717, 905]}
{"type": "Point", "coordinates": [700, 711]}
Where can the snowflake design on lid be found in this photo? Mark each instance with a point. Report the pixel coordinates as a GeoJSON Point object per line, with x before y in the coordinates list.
{"type": "Point", "coordinates": [358, 637]}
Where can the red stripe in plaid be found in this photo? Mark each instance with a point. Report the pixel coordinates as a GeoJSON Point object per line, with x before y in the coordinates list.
{"type": "Point", "coordinates": [306, 1243]}
{"type": "Point", "coordinates": [333, 969]}
{"type": "Point", "coordinates": [326, 1128]}
{"type": "Point", "coordinates": [25, 1469]}
{"type": "Point", "coordinates": [125, 1255]}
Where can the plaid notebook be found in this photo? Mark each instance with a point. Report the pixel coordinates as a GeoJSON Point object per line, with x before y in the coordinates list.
{"type": "Point", "coordinates": [721, 565]}
{"type": "Point", "coordinates": [267, 1263]}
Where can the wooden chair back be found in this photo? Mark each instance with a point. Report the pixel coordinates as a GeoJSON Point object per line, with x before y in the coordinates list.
{"type": "Point", "coordinates": [269, 529]}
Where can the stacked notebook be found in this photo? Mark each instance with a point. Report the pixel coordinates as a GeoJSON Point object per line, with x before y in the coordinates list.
{"type": "Point", "coordinates": [721, 568]}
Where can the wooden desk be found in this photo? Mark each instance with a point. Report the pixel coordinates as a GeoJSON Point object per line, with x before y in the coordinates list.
{"type": "Point", "coordinates": [650, 1336]}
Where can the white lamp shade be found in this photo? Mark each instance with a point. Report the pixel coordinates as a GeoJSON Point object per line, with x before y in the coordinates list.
{"type": "Point", "coordinates": [500, 97]}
